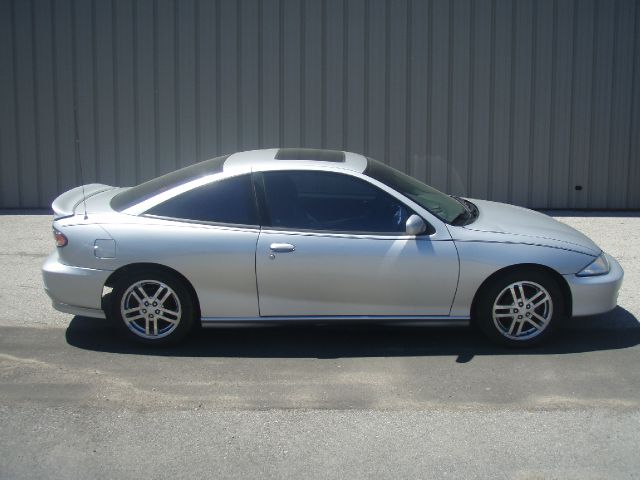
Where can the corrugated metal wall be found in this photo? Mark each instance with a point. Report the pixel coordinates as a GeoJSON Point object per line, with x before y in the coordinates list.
{"type": "Point", "coordinates": [517, 101]}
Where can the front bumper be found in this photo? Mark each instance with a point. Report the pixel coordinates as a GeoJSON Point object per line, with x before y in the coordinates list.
{"type": "Point", "coordinates": [74, 290]}
{"type": "Point", "coordinates": [597, 294]}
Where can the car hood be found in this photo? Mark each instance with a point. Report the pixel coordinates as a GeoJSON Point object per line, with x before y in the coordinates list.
{"type": "Point", "coordinates": [500, 222]}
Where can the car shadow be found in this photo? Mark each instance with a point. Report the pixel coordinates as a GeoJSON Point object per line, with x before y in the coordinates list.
{"type": "Point", "coordinates": [617, 329]}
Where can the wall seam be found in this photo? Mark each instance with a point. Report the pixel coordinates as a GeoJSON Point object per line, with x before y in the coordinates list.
{"type": "Point", "coordinates": [570, 196]}
{"type": "Point", "coordinates": [612, 92]}
{"type": "Point", "coordinates": [512, 83]}
{"type": "Point", "coordinates": [634, 92]}
{"type": "Point", "coordinates": [387, 76]}
{"type": "Point", "coordinates": [471, 116]}
{"type": "Point", "coordinates": [74, 81]}
{"type": "Point", "coordinates": [303, 78]}
{"type": "Point", "coordinates": [239, 43]}
{"type": "Point", "coordinates": [16, 103]}
{"type": "Point", "coordinates": [492, 88]}
{"type": "Point", "coordinates": [94, 92]}
{"type": "Point", "coordinates": [532, 100]}
{"type": "Point", "coordinates": [136, 94]}
{"type": "Point", "coordinates": [595, 60]}
{"type": "Point", "coordinates": [323, 76]}
{"type": "Point", "coordinates": [449, 154]}
{"type": "Point", "coordinates": [552, 96]}
{"type": "Point", "coordinates": [116, 93]}
{"type": "Point", "coordinates": [56, 101]}
{"type": "Point", "coordinates": [156, 93]}
{"type": "Point", "coordinates": [345, 64]}
{"type": "Point", "coordinates": [280, 74]}
{"type": "Point", "coordinates": [198, 86]}
{"type": "Point", "coordinates": [177, 160]}
{"type": "Point", "coordinates": [408, 89]}
{"type": "Point", "coordinates": [36, 109]}
{"type": "Point", "coordinates": [218, 36]}
{"type": "Point", "coordinates": [429, 133]}
{"type": "Point", "coordinates": [260, 79]}
{"type": "Point", "coordinates": [366, 77]}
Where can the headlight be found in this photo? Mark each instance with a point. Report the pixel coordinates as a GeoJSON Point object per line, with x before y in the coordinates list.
{"type": "Point", "coordinates": [599, 266]}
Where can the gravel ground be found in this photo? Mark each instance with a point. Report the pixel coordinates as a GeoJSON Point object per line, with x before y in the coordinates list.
{"type": "Point", "coordinates": [328, 444]}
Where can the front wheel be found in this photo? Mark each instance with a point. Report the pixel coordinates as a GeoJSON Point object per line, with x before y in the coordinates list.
{"type": "Point", "coordinates": [152, 307]}
{"type": "Point", "coordinates": [520, 309]}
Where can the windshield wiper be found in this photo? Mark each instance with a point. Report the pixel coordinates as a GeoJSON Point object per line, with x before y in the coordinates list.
{"type": "Point", "coordinates": [470, 210]}
{"type": "Point", "coordinates": [462, 218]}
{"type": "Point", "coordinates": [466, 212]}
{"type": "Point", "coordinates": [473, 208]}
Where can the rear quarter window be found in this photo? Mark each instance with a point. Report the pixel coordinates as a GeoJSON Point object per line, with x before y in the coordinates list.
{"type": "Point", "coordinates": [228, 201]}
{"type": "Point", "coordinates": [134, 195]}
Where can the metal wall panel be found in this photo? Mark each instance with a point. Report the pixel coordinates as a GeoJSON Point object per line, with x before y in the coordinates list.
{"type": "Point", "coordinates": [534, 102]}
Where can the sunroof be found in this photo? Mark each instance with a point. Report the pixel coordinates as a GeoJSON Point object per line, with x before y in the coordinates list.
{"type": "Point", "coordinates": [310, 154]}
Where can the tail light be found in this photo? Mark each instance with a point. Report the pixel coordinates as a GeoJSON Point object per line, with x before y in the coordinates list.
{"type": "Point", "coordinates": [60, 238]}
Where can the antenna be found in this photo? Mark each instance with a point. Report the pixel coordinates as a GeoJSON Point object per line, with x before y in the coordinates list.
{"type": "Point", "coordinates": [77, 135]}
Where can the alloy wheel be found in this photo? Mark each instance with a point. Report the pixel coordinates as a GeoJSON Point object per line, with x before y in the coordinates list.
{"type": "Point", "coordinates": [151, 309]}
{"type": "Point", "coordinates": [522, 310]}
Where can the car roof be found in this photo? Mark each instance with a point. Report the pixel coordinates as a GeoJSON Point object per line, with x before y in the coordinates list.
{"type": "Point", "coordinates": [295, 158]}
{"type": "Point", "coordinates": [239, 163]}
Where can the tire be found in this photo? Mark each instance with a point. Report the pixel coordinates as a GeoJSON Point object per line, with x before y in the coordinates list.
{"type": "Point", "coordinates": [526, 322]}
{"type": "Point", "coordinates": [152, 307]}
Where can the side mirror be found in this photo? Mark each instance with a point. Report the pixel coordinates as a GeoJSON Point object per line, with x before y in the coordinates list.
{"type": "Point", "coordinates": [415, 225]}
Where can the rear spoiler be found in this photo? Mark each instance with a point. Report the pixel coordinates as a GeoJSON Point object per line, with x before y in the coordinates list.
{"type": "Point", "coordinates": [65, 205]}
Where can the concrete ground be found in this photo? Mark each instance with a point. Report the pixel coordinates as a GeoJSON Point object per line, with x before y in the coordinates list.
{"type": "Point", "coordinates": [78, 402]}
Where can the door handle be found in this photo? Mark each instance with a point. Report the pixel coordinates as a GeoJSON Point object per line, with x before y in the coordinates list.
{"type": "Point", "coordinates": [282, 247]}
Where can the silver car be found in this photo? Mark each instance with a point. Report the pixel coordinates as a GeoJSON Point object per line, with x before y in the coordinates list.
{"type": "Point", "coordinates": [316, 236]}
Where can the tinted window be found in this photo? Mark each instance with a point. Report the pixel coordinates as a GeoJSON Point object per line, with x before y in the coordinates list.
{"type": "Point", "coordinates": [442, 206]}
{"type": "Point", "coordinates": [309, 200]}
{"type": "Point", "coordinates": [225, 201]}
{"type": "Point", "coordinates": [310, 154]}
{"type": "Point", "coordinates": [146, 190]}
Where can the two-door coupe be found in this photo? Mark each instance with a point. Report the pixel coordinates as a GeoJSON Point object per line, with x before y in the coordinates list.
{"type": "Point", "coordinates": [304, 235]}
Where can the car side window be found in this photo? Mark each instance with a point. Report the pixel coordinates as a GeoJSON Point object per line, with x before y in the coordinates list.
{"type": "Point", "coordinates": [314, 200]}
{"type": "Point", "coordinates": [228, 201]}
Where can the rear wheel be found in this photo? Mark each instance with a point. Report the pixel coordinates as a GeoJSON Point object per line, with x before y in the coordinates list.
{"type": "Point", "coordinates": [520, 309]}
{"type": "Point", "coordinates": [152, 307]}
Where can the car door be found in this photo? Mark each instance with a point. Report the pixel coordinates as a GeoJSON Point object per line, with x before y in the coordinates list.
{"type": "Point", "coordinates": [333, 244]}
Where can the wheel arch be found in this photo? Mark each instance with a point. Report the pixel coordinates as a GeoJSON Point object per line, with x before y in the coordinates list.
{"type": "Point", "coordinates": [562, 283]}
{"type": "Point", "coordinates": [136, 267]}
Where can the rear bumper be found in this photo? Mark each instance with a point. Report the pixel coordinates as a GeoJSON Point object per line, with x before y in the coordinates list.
{"type": "Point", "coordinates": [598, 294]}
{"type": "Point", "coordinates": [74, 290]}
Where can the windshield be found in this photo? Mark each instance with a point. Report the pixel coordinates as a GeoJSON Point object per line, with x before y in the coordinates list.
{"type": "Point", "coordinates": [133, 196]}
{"type": "Point", "coordinates": [443, 206]}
